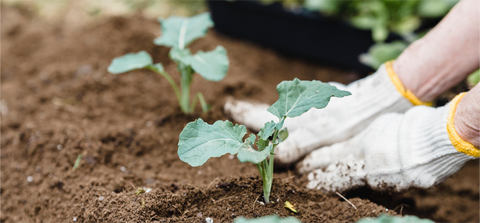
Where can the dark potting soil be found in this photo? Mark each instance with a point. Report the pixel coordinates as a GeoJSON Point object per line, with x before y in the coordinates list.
{"type": "Point", "coordinates": [59, 102]}
{"type": "Point", "coordinates": [223, 200]}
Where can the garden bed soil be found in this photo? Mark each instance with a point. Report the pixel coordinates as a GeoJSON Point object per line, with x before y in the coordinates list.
{"type": "Point", "coordinates": [59, 102]}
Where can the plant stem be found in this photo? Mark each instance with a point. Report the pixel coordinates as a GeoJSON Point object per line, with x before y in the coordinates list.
{"type": "Point", "coordinates": [267, 184]}
{"type": "Point", "coordinates": [169, 79]}
{"type": "Point", "coordinates": [203, 104]}
{"type": "Point", "coordinates": [186, 73]}
{"type": "Point", "coordinates": [268, 167]}
{"type": "Point", "coordinates": [260, 169]}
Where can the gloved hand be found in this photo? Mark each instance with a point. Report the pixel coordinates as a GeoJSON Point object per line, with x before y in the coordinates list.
{"type": "Point", "coordinates": [372, 96]}
{"type": "Point", "coordinates": [420, 148]}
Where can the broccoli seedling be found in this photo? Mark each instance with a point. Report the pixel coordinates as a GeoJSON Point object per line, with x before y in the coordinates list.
{"type": "Point", "coordinates": [177, 33]}
{"type": "Point", "coordinates": [200, 141]}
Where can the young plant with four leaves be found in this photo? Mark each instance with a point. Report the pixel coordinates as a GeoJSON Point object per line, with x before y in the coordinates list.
{"type": "Point", "coordinates": [177, 33]}
{"type": "Point", "coordinates": [200, 141]}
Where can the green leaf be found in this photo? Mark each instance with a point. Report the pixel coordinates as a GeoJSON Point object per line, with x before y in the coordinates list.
{"type": "Point", "coordinates": [297, 97]}
{"type": "Point", "coordinates": [434, 9]}
{"type": "Point", "coordinates": [394, 219]}
{"type": "Point", "coordinates": [251, 139]}
{"type": "Point", "coordinates": [325, 6]}
{"type": "Point", "coordinates": [267, 130]}
{"type": "Point", "coordinates": [248, 154]}
{"type": "Point", "coordinates": [267, 219]}
{"type": "Point", "coordinates": [363, 21]}
{"type": "Point", "coordinates": [200, 141]}
{"type": "Point", "coordinates": [379, 32]}
{"type": "Point", "coordinates": [407, 25]}
{"type": "Point", "coordinates": [158, 67]}
{"type": "Point", "coordinates": [380, 53]}
{"type": "Point", "coordinates": [282, 135]}
{"type": "Point", "coordinates": [262, 144]}
{"type": "Point", "coordinates": [130, 61]}
{"type": "Point", "coordinates": [179, 55]}
{"type": "Point", "coordinates": [178, 32]}
{"type": "Point", "coordinates": [212, 65]}
{"type": "Point", "coordinates": [279, 125]}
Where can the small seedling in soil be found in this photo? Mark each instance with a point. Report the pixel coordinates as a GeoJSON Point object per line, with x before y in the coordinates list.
{"type": "Point", "coordinates": [77, 162]}
{"type": "Point", "coordinates": [200, 141]}
{"type": "Point", "coordinates": [139, 191]}
{"type": "Point", "coordinates": [177, 33]}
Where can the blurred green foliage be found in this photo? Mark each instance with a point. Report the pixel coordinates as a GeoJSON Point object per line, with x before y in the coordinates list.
{"type": "Point", "coordinates": [474, 78]}
{"type": "Point", "coordinates": [192, 7]}
{"type": "Point", "coordinates": [290, 4]}
{"type": "Point", "coordinates": [382, 16]}
{"type": "Point", "coordinates": [382, 52]}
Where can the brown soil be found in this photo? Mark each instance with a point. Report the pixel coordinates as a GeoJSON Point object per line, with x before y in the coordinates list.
{"type": "Point", "coordinates": [58, 101]}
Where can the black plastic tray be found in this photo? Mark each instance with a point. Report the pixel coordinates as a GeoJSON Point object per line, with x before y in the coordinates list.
{"type": "Point", "coordinates": [301, 34]}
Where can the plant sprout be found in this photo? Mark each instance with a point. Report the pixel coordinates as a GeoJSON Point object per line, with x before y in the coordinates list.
{"type": "Point", "coordinates": [177, 33]}
{"type": "Point", "coordinates": [200, 141]}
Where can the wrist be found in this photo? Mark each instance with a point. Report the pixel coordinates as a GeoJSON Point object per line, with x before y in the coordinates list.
{"type": "Point", "coordinates": [417, 78]}
{"type": "Point", "coordinates": [467, 117]}
{"type": "Point", "coordinates": [401, 88]}
{"type": "Point", "coordinates": [460, 144]}
{"type": "Point", "coordinates": [427, 73]}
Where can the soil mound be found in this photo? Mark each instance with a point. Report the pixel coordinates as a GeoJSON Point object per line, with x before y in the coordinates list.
{"type": "Point", "coordinates": [224, 200]}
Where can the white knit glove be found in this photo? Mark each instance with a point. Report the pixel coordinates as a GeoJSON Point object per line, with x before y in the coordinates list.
{"type": "Point", "coordinates": [340, 120]}
{"type": "Point", "coordinates": [396, 151]}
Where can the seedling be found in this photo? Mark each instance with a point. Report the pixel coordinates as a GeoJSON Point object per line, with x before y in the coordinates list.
{"type": "Point", "coordinates": [177, 33]}
{"type": "Point", "coordinates": [77, 162]}
{"type": "Point", "coordinates": [200, 141]}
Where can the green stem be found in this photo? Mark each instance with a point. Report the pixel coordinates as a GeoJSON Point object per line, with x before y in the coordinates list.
{"type": "Point", "coordinates": [267, 183]}
{"type": "Point", "coordinates": [260, 169]}
{"type": "Point", "coordinates": [186, 73]}
{"type": "Point", "coordinates": [203, 103]}
{"type": "Point", "coordinates": [169, 79]}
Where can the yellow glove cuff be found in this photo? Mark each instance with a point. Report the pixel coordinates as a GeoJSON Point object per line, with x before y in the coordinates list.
{"type": "Point", "coordinates": [460, 144]}
{"type": "Point", "coordinates": [398, 84]}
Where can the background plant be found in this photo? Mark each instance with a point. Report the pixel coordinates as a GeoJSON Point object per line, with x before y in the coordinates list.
{"type": "Point", "coordinates": [474, 78]}
{"type": "Point", "coordinates": [200, 141]}
{"type": "Point", "coordinates": [383, 16]}
{"type": "Point", "coordinates": [177, 33]}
